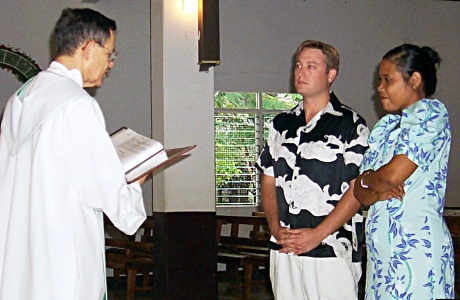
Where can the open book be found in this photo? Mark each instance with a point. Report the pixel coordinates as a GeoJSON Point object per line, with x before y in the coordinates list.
{"type": "Point", "coordinates": [140, 155]}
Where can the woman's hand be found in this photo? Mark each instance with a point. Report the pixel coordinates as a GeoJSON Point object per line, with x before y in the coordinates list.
{"type": "Point", "coordinates": [398, 193]}
{"type": "Point", "coordinates": [368, 196]}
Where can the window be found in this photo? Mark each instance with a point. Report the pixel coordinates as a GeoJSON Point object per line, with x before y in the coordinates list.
{"type": "Point", "coordinates": [241, 125]}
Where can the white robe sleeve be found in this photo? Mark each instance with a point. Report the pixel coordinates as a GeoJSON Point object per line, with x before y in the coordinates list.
{"type": "Point", "coordinates": [94, 169]}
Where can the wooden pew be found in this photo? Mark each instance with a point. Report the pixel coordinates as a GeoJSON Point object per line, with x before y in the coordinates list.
{"type": "Point", "coordinates": [245, 246]}
{"type": "Point", "coordinates": [131, 255]}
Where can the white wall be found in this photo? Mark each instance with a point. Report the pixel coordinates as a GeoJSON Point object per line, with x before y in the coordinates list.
{"type": "Point", "coordinates": [259, 39]}
{"type": "Point", "coordinates": [186, 98]}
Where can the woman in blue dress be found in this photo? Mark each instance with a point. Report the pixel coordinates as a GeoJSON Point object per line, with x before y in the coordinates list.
{"type": "Point", "coordinates": [403, 181]}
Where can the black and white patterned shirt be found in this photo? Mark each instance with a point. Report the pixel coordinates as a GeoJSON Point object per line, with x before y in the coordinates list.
{"type": "Point", "coordinates": [313, 165]}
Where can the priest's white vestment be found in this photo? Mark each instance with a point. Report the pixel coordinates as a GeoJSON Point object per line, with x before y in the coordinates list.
{"type": "Point", "coordinates": [59, 173]}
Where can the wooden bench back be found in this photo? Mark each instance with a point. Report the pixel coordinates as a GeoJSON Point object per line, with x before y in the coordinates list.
{"type": "Point", "coordinates": [255, 237]}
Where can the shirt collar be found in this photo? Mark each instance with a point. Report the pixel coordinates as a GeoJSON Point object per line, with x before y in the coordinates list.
{"type": "Point", "coordinates": [60, 69]}
{"type": "Point", "coordinates": [333, 106]}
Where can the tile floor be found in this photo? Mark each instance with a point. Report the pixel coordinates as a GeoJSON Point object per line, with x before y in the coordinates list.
{"type": "Point", "coordinates": [227, 290]}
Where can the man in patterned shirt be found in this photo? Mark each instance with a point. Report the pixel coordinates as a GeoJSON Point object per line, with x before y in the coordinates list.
{"type": "Point", "coordinates": [309, 163]}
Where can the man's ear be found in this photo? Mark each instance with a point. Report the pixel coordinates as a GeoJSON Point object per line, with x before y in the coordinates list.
{"type": "Point", "coordinates": [331, 75]}
{"type": "Point", "coordinates": [87, 49]}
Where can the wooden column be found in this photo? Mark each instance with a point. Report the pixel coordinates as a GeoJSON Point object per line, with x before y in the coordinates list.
{"type": "Point", "coordinates": [185, 255]}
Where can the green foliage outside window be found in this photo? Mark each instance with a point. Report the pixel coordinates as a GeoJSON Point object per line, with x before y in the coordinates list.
{"type": "Point", "coordinates": [241, 123]}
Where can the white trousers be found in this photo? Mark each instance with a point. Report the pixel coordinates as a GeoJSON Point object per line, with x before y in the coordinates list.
{"type": "Point", "coordinates": [307, 278]}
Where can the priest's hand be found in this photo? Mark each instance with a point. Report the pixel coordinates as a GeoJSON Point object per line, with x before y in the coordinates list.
{"type": "Point", "coordinates": [142, 180]}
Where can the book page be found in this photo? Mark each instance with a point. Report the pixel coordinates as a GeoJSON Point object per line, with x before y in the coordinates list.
{"type": "Point", "coordinates": [146, 166]}
{"type": "Point", "coordinates": [157, 161]}
{"type": "Point", "coordinates": [133, 148]}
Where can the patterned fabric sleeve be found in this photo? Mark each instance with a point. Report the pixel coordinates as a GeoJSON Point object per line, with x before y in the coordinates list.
{"type": "Point", "coordinates": [356, 146]}
{"type": "Point", "coordinates": [422, 127]}
{"type": "Point", "coordinates": [264, 162]}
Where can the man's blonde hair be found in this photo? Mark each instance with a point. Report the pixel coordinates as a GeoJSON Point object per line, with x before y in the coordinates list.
{"type": "Point", "coordinates": [331, 53]}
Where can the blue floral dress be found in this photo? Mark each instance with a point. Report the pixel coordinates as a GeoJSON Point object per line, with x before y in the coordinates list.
{"type": "Point", "coordinates": [409, 248]}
